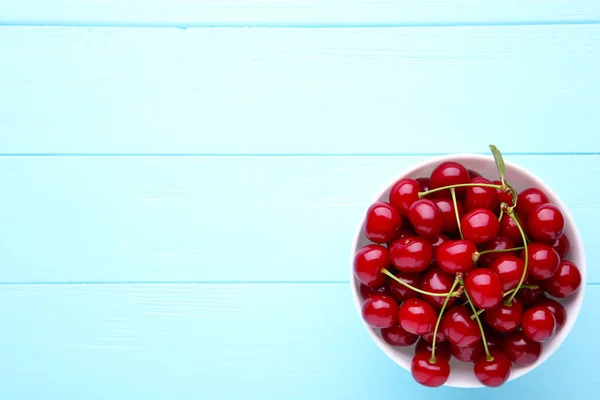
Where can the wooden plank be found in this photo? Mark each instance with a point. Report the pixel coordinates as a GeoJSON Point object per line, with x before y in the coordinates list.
{"type": "Point", "coordinates": [230, 342]}
{"type": "Point", "coordinates": [156, 219]}
{"type": "Point", "coordinates": [326, 91]}
{"type": "Point", "coordinates": [263, 12]}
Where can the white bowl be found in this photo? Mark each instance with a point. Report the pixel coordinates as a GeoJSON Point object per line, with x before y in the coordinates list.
{"type": "Point", "coordinates": [461, 374]}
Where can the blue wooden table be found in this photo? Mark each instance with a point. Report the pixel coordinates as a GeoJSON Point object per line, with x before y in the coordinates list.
{"type": "Point", "coordinates": [181, 182]}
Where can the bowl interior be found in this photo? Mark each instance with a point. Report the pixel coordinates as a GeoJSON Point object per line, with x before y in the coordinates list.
{"type": "Point", "coordinates": [462, 373]}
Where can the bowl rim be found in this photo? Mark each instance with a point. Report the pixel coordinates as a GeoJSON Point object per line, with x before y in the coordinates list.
{"type": "Point", "coordinates": [575, 239]}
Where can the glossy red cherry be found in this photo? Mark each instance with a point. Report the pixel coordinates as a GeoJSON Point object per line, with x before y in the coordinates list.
{"type": "Point", "coordinates": [529, 199]}
{"type": "Point", "coordinates": [467, 353]}
{"type": "Point", "coordinates": [403, 194]}
{"type": "Point", "coordinates": [397, 336]}
{"type": "Point", "coordinates": [459, 328]}
{"type": "Point", "coordinates": [427, 373]}
{"type": "Point", "coordinates": [473, 174]}
{"type": "Point", "coordinates": [565, 281]}
{"type": "Point", "coordinates": [480, 196]}
{"type": "Point", "coordinates": [495, 372]}
{"type": "Point", "coordinates": [480, 225]}
{"type": "Point", "coordinates": [509, 229]}
{"type": "Point", "coordinates": [417, 316]}
{"type": "Point", "coordinates": [542, 261]}
{"type": "Point", "coordinates": [562, 245]}
{"type": "Point", "coordinates": [484, 287]}
{"type": "Point", "coordinates": [456, 256]}
{"type": "Point", "coordinates": [401, 292]}
{"type": "Point", "coordinates": [411, 254]}
{"type": "Point", "coordinates": [538, 324]}
{"type": "Point", "coordinates": [504, 318]}
{"type": "Point", "coordinates": [368, 263]}
{"type": "Point", "coordinates": [446, 174]}
{"type": "Point", "coordinates": [557, 309]}
{"type": "Point", "coordinates": [442, 349]}
{"type": "Point", "coordinates": [446, 207]}
{"type": "Point", "coordinates": [425, 218]}
{"type": "Point", "coordinates": [382, 222]}
{"type": "Point", "coordinates": [498, 243]}
{"type": "Point", "coordinates": [424, 184]}
{"type": "Point", "coordinates": [503, 197]}
{"type": "Point", "coordinates": [520, 349]}
{"type": "Point", "coordinates": [545, 223]}
{"type": "Point", "coordinates": [439, 337]}
{"type": "Point", "coordinates": [366, 292]}
{"type": "Point", "coordinates": [435, 280]}
{"type": "Point", "coordinates": [380, 311]}
{"type": "Point", "coordinates": [509, 269]}
{"type": "Point", "coordinates": [531, 296]}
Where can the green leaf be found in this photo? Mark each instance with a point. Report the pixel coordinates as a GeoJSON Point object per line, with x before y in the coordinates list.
{"type": "Point", "coordinates": [499, 161]}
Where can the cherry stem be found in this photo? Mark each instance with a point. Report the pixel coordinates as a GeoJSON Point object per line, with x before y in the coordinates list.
{"type": "Point", "coordinates": [500, 250]}
{"type": "Point", "coordinates": [504, 295]}
{"type": "Point", "coordinates": [501, 215]}
{"type": "Point", "coordinates": [437, 323]}
{"type": "Point", "coordinates": [516, 219]}
{"type": "Point", "coordinates": [485, 346]}
{"type": "Point", "coordinates": [451, 293]}
{"type": "Point", "coordinates": [453, 192]}
{"type": "Point", "coordinates": [459, 185]}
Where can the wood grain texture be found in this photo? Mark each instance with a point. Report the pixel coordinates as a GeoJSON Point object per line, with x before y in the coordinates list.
{"type": "Point", "coordinates": [229, 342]}
{"type": "Point", "coordinates": [262, 12]}
{"type": "Point", "coordinates": [175, 219]}
{"type": "Point", "coordinates": [326, 91]}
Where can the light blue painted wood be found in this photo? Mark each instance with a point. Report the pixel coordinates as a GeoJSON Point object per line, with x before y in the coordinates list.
{"type": "Point", "coordinates": [402, 90]}
{"type": "Point", "coordinates": [238, 12]}
{"type": "Point", "coordinates": [216, 218]}
{"type": "Point", "coordinates": [231, 342]}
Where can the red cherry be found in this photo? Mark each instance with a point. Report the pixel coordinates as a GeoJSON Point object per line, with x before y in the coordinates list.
{"type": "Point", "coordinates": [529, 199]}
{"type": "Point", "coordinates": [411, 254]}
{"type": "Point", "coordinates": [546, 223]}
{"type": "Point", "coordinates": [417, 316]}
{"type": "Point", "coordinates": [505, 318]}
{"type": "Point", "coordinates": [562, 245]}
{"type": "Point", "coordinates": [403, 194]}
{"type": "Point", "coordinates": [495, 372]}
{"type": "Point", "coordinates": [382, 222]}
{"type": "Point", "coordinates": [448, 214]}
{"type": "Point", "coordinates": [480, 196]}
{"type": "Point", "coordinates": [446, 174]}
{"type": "Point", "coordinates": [397, 336]}
{"type": "Point", "coordinates": [439, 337]}
{"type": "Point", "coordinates": [467, 353]}
{"type": "Point", "coordinates": [380, 311]}
{"type": "Point", "coordinates": [366, 292]}
{"type": "Point", "coordinates": [520, 349]}
{"type": "Point", "coordinates": [425, 218]}
{"type": "Point", "coordinates": [503, 197]}
{"type": "Point", "coordinates": [538, 324]}
{"type": "Point", "coordinates": [459, 328]}
{"type": "Point", "coordinates": [509, 229]}
{"type": "Point", "coordinates": [435, 280]}
{"type": "Point", "coordinates": [427, 373]}
{"type": "Point", "coordinates": [401, 292]}
{"type": "Point", "coordinates": [484, 287]}
{"type": "Point", "coordinates": [557, 309]}
{"type": "Point", "coordinates": [565, 281]}
{"type": "Point", "coordinates": [480, 225]}
{"type": "Point", "coordinates": [368, 263]}
{"type": "Point", "coordinates": [442, 349]}
{"type": "Point", "coordinates": [473, 174]}
{"type": "Point", "coordinates": [499, 243]}
{"type": "Point", "coordinates": [424, 184]}
{"type": "Point", "coordinates": [436, 241]}
{"type": "Point", "coordinates": [530, 296]}
{"type": "Point", "coordinates": [542, 261]}
{"type": "Point", "coordinates": [456, 256]}
{"type": "Point", "coordinates": [509, 269]}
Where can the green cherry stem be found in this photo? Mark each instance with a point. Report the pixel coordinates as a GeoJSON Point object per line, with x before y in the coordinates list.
{"type": "Point", "coordinates": [459, 185]}
{"type": "Point", "coordinates": [437, 323]}
{"type": "Point", "coordinates": [501, 215]}
{"type": "Point", "coordinates": [485, 346]}
{"type": "Point", "coordinates": [451, 293]}
{"type": "Point", "coordinates": [500, 250]}
{"type": "Point", "coordinates": [453, 192]}
{"type": "Point", "coordinates": [516, 219]}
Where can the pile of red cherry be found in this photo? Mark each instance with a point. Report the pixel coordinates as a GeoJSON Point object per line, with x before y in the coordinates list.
{"type": "Point", "coordinates": [467, 268]}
